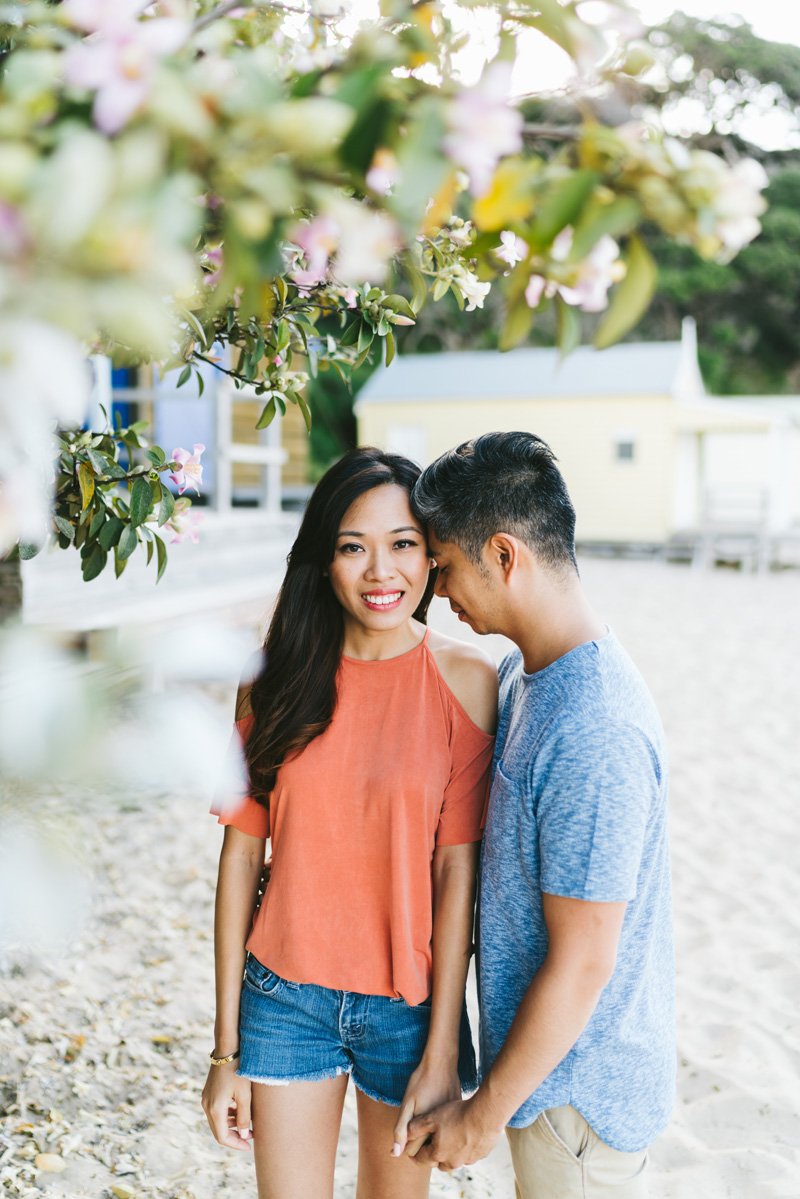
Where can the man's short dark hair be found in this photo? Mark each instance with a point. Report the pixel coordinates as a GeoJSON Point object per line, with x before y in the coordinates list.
{"type": "Point", "coordinates": [499, 482]}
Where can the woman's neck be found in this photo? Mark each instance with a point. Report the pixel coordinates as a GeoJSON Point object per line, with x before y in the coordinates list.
{"type": "Point", "coordinates": [375, 645]}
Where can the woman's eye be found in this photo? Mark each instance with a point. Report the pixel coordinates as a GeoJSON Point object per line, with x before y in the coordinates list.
{"type": "Point", "coordinates": [349, 548]}
{"type": "Point", "coordinates": [404, 544]}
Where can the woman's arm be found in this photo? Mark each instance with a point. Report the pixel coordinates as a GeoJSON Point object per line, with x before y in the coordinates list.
{"type": "Point", "coordinates": [454, 873]}
{"type": "Point", "coordinates": [226, 1097]}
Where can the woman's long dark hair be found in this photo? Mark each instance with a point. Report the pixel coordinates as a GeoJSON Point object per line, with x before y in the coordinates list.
{"type": "Point", "coordinates": [293, 698]}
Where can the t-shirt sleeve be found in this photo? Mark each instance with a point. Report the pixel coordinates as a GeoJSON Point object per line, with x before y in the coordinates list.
{"type": "Point", "coordinates": [233, 805]}
{"type": "Point", "coordinates": [465, 796]}
{"type": "Point", "coordinates": [598, 788]}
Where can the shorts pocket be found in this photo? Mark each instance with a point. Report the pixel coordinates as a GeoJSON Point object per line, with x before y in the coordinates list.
{"type": "Point", "coordinates": [557, 1139]}
{"type": "Point", "coordinates": [426, 1003]}
{"type": "Point", "coordinates": [265, 981]}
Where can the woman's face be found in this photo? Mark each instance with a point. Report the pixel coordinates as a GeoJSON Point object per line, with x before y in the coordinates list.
{"type": "Point", "coordinates": [381, 563]}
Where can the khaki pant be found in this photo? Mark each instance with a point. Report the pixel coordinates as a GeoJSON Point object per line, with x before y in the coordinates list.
{"type": "Point", "coordinates": [560, 1157]}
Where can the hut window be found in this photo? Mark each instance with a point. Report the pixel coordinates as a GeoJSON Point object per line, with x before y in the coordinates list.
{"type": "Point", "coordinates": [624, 449]}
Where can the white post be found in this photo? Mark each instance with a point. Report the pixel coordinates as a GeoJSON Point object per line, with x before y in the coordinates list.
{"type": "Point", "coordinates": [224, 437]}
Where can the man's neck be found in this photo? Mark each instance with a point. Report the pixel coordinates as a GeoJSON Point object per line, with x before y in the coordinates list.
{"type": "Point", "coordinates": [558, 622]}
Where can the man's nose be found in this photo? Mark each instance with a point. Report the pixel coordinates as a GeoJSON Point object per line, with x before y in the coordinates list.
{"type": "Point", "coordinates": [440, 587]}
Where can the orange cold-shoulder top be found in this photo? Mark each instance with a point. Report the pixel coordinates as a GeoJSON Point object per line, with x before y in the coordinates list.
{"type": "Point", "coordinates": [354, 819]}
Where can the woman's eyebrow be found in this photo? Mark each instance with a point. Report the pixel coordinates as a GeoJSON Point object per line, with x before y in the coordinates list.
{"type": "Point", "coordinates": [402, 529]}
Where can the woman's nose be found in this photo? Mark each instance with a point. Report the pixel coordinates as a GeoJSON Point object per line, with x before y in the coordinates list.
{"type": "Point", "coordinates": [380, 566]}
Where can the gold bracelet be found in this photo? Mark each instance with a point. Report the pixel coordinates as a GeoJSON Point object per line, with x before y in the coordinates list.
{"type": "Point", "coordinates": [223, 1061]}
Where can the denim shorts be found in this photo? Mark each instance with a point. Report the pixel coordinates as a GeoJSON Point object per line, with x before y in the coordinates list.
{"type": "Point", "coordinates": [299, 1032]}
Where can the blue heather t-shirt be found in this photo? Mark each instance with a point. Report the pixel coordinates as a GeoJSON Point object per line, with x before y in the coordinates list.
{"type": "Point", "coordinates": [578, 808]}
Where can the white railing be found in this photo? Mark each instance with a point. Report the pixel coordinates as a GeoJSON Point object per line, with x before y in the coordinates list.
{"type": "Point", "coordinates": [222, 451]}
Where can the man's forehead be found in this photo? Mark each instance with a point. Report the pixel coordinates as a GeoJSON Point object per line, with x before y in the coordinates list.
{"type": "Point", "coordinates": [441, 548]}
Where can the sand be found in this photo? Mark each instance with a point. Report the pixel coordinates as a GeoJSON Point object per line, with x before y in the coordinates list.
{"type": "Point", "coordinates": [103, 1045]}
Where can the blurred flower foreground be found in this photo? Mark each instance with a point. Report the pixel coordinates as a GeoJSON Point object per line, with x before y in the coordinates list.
{"type": "Point", "coordinates": [287, 186]}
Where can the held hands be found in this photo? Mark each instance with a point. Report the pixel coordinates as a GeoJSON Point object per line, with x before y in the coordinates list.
{"type": "Point", "coordinates": [428, 1087]}
{"type": "Point", "coordinates": [226, 1102]}
{"type": "Point", "coordinates": [453, 1135]}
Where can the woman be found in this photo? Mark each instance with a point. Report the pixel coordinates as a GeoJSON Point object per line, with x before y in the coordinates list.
{"type": "Point", "coordinates": [368, 742]}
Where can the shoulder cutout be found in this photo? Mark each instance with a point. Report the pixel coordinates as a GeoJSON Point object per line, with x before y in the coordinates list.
{"type": "Point", "coordinates": [471, 675]}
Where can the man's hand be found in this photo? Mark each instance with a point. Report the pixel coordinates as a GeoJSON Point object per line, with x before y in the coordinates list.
{"type": "Point", "coordinates": [456, 1136]}
{"type": "Point", "coordinates": [428, 1088]}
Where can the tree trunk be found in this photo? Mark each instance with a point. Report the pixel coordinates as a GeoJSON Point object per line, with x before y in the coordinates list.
{"type": "Point", "coordinates": [10, 589]}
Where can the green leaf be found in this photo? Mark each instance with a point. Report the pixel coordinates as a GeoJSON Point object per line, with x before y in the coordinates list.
{"type": "Point", "coordinates": [561, 206]}
{"type": "Point", "coordinates": [167, 505]}
{"type": "Point", "coordinates": [98, 461]}
{"type": "Point", "coordinates": [157, 456]}
{"type": "Point", "coordinates": [568, 327]}
{"type": "Point", "coordinates": [127, 543]}
{"type": "Point", "coordinates": [64, 527]}
{"type": "Point", "coordinates": [197, 328]}
{"type": "Point", "coordinates": [201, 383]}
{"type": "Point", "coordinates": [390, 348]}
{"type": "Point", "coordinates": [631, 297]}
{"type": "Point", "coordinates": [98, 520]}
{"type": "Point", "coordinates": [603, 220]}
{"type": "Point", "coordinates": [161, 554]}
{"type": "Point", "coordinates": [517, 326]}
{"type": "Point", "coordinates": [184, 375]}
{"type": "Point", "coordinates": [111, 532]}
{"type": "Point", "coordinates": [114, 470]}
{"type": "Point", "coordinates": [351, 334]}
{"type": "Point", "coordinates": [149, 548]}
{"type": "Point", "coordinates": [141, 501]}
{"type": "Point", "coordinates": [399, 304]}
{"type": "Point", "coordinates": [365, 338]}
{"type": "Point", "coordinates": [306, 411]}
{"type": "Point", "coordinates": [27, 550]}
{"type": "Point", "coordinates": [94, 563]}
{"type": "Point", "coordinates": [267, 415]}
{"type": "Point", "coordinates": [119, 563]}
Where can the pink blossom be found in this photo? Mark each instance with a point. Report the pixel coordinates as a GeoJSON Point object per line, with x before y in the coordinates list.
{"type": "Point", "coordinates": [93, 15]}
{"type": "Point", "coordinates": [13, 237]}
{"type": "Point", "coordinates": [383, 173]}
{"type": "Point", "coordinates": [317, 239]}
{"type": "Point", "coordinates": [512, 249]}
{"type": "Point", "coordinates": [190, 471]}
{"type": "Point", "coordinates": [213, 257]}
{"type": "Point", "coordinates": [118, 63]}
{"type": "Point", "coordinates": [483, 127]}
{"type": "Point", "coordinates": [591, 278]}
{"type": "Point", "coordinates": [595, 275]}
{"type": "Point", "coordinates": [350, 297]}
{"type": "Point", "coordinates": [537, 287]}
{"type": "Point", "coordinates": [184, 524]}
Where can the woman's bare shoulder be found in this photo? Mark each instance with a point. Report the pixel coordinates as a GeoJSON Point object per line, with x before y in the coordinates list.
{"type": "Point", "coordinates": [250, 672]}
{"type": "Point", "coordinates": [470, 674]}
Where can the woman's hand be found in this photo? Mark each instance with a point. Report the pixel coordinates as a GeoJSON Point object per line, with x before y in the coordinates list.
{"type": "Point", "coordinates": [226, 1102]}
{"type": "Point", "coordinates": [429, 1085]}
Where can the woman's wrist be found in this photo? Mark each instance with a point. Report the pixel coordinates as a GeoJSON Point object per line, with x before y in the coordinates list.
{"type": "Point", "coordinates": [226, 1041]}
{"type": "Point", "coordinates": [440, 1057]}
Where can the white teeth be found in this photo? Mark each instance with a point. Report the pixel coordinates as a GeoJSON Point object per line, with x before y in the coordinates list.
{"type": "Point", "coordinates": [382, 600]}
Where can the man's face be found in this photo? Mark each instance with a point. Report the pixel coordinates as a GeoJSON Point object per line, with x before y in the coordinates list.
{"type": "Point", "coordinates": [467, 585]}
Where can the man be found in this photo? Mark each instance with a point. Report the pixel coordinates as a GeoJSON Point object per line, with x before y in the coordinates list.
{"type": "Point", "coordinates": [575, 959]}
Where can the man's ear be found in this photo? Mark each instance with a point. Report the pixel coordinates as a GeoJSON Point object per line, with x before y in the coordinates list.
{"type": "Point", "coordinates": [503, 550]}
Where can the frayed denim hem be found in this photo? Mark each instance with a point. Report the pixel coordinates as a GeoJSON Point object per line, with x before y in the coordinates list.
{"type": "Point", "coordinates": [319, 1076]}
{"type": "Point", "coordinates": [370, 1094]}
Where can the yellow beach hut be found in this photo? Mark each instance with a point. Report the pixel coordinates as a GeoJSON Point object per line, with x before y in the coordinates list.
{"type": "Point", "coordinates": [630, 426]}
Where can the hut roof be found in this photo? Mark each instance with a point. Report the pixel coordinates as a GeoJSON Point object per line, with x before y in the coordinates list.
{"type": "Point", "coordinates": [637, 369]}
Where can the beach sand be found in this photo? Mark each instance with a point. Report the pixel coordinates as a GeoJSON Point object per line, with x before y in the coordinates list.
{"type": "Point", "coordinates": [103, 1046]}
